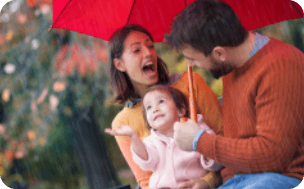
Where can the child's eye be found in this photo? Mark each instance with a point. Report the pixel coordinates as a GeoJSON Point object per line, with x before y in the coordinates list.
{"type": "Point", "coordinates": [148, 107]}
{"type": "Point", "coordinates": [161, 101]}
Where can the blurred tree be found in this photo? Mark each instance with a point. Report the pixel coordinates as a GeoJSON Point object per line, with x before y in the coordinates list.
{"type": "Point", "coordinates": [52, 87]}
{"type": "Point", "coordinates": [296, 29]}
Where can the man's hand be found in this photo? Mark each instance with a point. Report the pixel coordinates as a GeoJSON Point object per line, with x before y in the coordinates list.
{"type": "Point", "coordinates": [195, 184]}
{"type": "Point", "coordinates": [184, 134]}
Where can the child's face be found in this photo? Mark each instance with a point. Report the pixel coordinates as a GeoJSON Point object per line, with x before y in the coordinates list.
{"type": "Point", "coordinates": [161, 111]}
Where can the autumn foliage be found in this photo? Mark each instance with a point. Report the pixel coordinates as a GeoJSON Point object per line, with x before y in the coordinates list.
{"type": "Point", "coordinates": [84, 59]}
{"type": "Point", "coordinates": [33, 3]}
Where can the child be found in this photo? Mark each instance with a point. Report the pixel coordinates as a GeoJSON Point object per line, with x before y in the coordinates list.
{"type": "Point", "coordinates": [162, 107]}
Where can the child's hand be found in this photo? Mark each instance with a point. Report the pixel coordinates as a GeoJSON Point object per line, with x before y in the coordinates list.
{"type": "Point", "coordinates": [122, 130]}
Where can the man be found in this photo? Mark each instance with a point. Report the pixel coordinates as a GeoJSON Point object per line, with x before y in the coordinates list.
{"type": "Point", "coordinates": [263, 98]}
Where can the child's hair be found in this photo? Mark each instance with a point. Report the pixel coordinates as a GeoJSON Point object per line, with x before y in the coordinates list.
{"type": "Point", "coordinates": [178, 97]}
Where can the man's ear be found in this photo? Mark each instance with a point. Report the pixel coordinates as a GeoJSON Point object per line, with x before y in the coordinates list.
{"type": "Point", "coordinates": [219, 54]}
{"type": "Point", "coordinates": [119, 64]}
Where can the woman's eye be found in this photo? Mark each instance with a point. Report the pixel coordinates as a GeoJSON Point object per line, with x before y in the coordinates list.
{"type": "Point", "coordinates": [136, 51]}
{"type": "Point", "coordinates": [151, 46]}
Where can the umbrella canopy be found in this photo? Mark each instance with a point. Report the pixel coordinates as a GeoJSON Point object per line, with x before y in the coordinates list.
{"type": "Point", "coordinates": [100, 18]}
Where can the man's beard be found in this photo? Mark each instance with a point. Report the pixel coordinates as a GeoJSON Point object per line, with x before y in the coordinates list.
{"type": "Point", "coordinates": [220, 69]}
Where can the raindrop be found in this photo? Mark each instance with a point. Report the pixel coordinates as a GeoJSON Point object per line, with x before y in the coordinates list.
{"type": "Point", "coordinates": [45, 9]}
{"type": "Point", "coordinates": [14, 5]}
{"type": "Point", "coordinates": [35, 44]}
{"type": "Point", "coordinates": [9, 68]}
{"type": "Point", "coordinates": [4, 18]}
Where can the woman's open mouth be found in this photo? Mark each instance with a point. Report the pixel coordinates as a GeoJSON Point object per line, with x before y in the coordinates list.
{"type": "Point", "coordinates": [150, 69]}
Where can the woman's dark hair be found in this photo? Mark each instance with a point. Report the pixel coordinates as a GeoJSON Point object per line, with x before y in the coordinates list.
{"type": "Point", "coordinates": [205, 24]}
{"type": "Point", "coordinates": [120, 81]}
{"type": "Point", "coordinates": [178, 97]}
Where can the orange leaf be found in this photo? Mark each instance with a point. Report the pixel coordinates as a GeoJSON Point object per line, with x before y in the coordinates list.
{"type": "Point", "coordinates": [93, 65]}
{"type": "Point", "coordinates": [1, 40]}
{"type": "Point", "coordinates": [31, 135]}
{"type": "Point", "coordinates": [6, 95]}
{"type": "Point", "coordinates": [9, 35]}
{"type": "Point", "coordinates": [31, 3]}
{"type": "Point", "coordinates": [9, 155]}
{"type": "Point", "coordinates": [70, 66]}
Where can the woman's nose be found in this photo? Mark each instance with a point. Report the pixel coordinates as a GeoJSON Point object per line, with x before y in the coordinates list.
{"type": "Point", "coordinates": [147, 51]}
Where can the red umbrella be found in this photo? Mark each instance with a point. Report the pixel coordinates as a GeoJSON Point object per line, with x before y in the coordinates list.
{"type": "Point", "coordinates": [100, 18]}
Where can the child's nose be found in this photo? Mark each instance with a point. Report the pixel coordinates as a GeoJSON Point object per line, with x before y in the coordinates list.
{"type": "Point", "coordinates": [155, 109]}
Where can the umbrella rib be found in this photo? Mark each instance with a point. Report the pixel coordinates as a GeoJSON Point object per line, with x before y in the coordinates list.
{"type": "Point", "coordinates": [296, 8]}
{"type": "Point", "coordinates": [130, 11]}
{"type": "Point", "coordinates": [59, 15]}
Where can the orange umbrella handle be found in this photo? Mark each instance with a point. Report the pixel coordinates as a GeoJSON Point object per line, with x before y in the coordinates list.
{"type": "Point", "coordinates": [192, 101]}
{"type": "Point", "coordinates": [183, 119]}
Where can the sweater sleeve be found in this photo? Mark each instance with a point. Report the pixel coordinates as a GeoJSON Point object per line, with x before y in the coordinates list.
{"type": "Point", "coordinates": [124, 143]}
{"type": "Point", "coordinates": [208, 164]}
{"type": "Point", "coordinates": [153, 157]}
{"type": "Point", "coordinates": [279, 109]}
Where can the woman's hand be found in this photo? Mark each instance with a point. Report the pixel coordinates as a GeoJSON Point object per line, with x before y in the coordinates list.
{"type": "Point", "coordinates": [122, 130]}
{"type": "Point", "coordinates": [195, 184]}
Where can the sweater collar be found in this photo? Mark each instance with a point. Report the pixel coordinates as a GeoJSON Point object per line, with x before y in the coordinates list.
{"type": "Point", "coordinates": [260, 43]}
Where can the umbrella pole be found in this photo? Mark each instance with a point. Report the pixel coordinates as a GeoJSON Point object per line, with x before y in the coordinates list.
{"type": "Point", "coordinates": [192, 101]}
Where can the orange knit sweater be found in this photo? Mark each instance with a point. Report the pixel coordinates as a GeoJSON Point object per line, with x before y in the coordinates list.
{"type": "Point", "coordinates": [263, 115]}
{"type": "Point", "coordinates": [207, 104]}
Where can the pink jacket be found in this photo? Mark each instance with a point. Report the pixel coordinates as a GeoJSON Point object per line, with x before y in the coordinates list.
{"type": "Point", "coordinates": [169, 164]}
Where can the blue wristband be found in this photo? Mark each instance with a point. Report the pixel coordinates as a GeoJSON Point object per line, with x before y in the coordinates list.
{"type": "Point", "coordinates": [196, 138]}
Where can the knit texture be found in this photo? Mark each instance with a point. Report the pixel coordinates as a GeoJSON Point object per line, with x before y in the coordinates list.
{"type": "Point", "coordinates": [207, 105]}
{"type": "Point", "coordinates": [263, 114]}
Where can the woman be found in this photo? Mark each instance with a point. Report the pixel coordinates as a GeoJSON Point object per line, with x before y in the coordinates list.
{"type": "Point", "coordinates": [134, 68]}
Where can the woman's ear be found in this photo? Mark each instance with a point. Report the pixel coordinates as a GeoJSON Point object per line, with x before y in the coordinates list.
{"type": "Point", "coordinates": [119, 64]}
{"type": "Point", "coordinates": [219, 54]}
